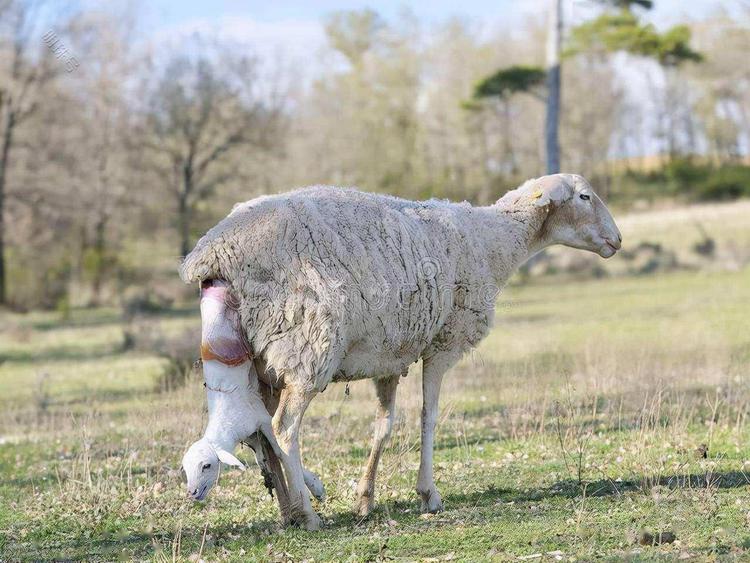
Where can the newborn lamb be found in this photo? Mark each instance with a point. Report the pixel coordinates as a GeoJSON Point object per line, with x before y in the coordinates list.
{"type": "Point", "coordinates": [236, 410]}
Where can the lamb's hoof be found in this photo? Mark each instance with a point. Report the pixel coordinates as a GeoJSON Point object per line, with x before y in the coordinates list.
{"type": "Point", "coordinates": [431, 502]}
{"type": "Point", "coordinates": [363, 505]}
{"type": "Point", "coordinates": [315, 486]}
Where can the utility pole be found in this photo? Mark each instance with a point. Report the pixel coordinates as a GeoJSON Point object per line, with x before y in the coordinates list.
{"type": "Point", "coordinates": [554, 51]}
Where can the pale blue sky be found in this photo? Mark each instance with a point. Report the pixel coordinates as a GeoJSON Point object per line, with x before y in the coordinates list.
{"type": "Point", "coordinates": [294, 28]}
{"type": "Point", "coordinates": [171, 12]}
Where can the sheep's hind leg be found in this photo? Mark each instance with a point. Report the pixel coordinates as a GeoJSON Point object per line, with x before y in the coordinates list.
{"type": "Point", "coordinates": [386, 391]}
{"type": "Point", "coordinates": [312, 481]}
{"type": "Point", "coordinates": [433, 369]}
{"type": "Point", "coordinates": [286, 422]}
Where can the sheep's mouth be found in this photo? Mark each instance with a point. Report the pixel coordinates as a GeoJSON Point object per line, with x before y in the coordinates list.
{"type": "Point", "coordinates": [608, 250]}
{"type": "Point", "coordinates": [201, 494]}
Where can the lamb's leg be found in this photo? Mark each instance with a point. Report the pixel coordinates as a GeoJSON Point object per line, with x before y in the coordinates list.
{"type": "Point", "coordinates": [386, 391]}
{"type": "Point", "coordinates": [286, 422]}
{"type": "Point", "coordinates": [273, 474]}
{"type": "Point", "coordinates": [433, 369]}
{"type": "Point", "coordinates": [312, 481]}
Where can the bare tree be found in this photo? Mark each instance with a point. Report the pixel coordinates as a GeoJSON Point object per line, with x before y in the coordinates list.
{"type": "Point", "coordinates": [23, 77]}
{"type": "Point", "coordinates": [203, 111]}
{"type": "Point", "coordinates": [374, 95]}
{"type": "Point", "coordinates": [100, 155]}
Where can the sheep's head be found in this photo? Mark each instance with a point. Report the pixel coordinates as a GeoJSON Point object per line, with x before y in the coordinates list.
{"type": "Point", "coordinates": [577, 217]}
{"type": "Point", "coordinates": [201, 464]}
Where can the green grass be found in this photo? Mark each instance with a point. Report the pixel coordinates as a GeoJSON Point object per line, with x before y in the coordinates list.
{"type": "Point", "coordinates": [569, 431]}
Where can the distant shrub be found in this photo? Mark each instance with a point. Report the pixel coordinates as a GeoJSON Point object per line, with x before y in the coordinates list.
{"type": "Point", "coordinates": [633, 186]}
{"type": "Point", "coordinates": [726, 183]}
{"type": "Point", "coordinates": [685, 178]}
{"type": "Point", "coordinates": [655, 176]}
{"type": "Point", "coordinates": [142, 307]}
{"type": "Point", "coordinates": [705, 247]}
{"type": "Point", "coordinates": [41, 395]}
{"type": "Point", "coordinates": [649, 258]}
{"type": "Point", "coordinates": [705, 182]}
{"type": "Point", "coordinates": [684, 174]}
{"type": "Point", "coordinates": [181, 351]}
{"type": "Point", "coordinates": [37, 281]}
{"type": "Point", "coordinates": [142, 300]}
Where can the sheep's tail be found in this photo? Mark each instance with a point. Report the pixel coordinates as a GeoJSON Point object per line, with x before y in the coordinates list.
{"type": "Point", "coordinates": [203, 262]}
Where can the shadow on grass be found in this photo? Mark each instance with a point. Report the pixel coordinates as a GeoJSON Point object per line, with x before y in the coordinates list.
{"type": "Point", "coordinates": [102, 318]}
{"type": "Point", "coordinates": [409, 509]}
{"type": "Point", "coordinates": [49, 479]}
{"type": "Point", "coordinates": [603, 487]}
{"type": "Point", "coordinates": [79, 548]}
{"type": "Point", "coordinates": [62, 353]}
{"type": "Point", "coordinates": [137, 545]}
{"type": "Point", "coordinates": [36, 481]}
{"type": "Point", "coordinates": [91, 318]}
{"type": "Point", "coordinates": [96, 397]}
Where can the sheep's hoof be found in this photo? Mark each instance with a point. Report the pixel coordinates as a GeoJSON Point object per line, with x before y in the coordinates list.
{"type": "Point", "coordinates": [311, 522]}
{"type": "Point", "coordinates": [431, 502]}
{"type": "Point", "coordinates": [307, 521]}
{"type": "Point", "coordinates": [363, 505]}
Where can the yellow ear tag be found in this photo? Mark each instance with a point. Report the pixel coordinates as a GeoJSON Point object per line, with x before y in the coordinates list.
{"type": "Point", "coordinates": [537, 194]}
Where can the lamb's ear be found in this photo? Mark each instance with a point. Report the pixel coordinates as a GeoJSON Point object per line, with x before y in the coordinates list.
{"type": "Point", "coordinates": [229, 459]}
{"type": "Point", "coordinates": [554, 189]}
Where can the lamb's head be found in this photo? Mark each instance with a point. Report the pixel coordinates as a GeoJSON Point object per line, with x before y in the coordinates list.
{"type": "Point", "coordinates": [201, 464]}
{"type": "Point", "coordinates": [576, 216]}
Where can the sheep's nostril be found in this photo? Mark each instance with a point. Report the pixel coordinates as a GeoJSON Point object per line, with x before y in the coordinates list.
{"type": "Point", "coordinates": [619, 237]}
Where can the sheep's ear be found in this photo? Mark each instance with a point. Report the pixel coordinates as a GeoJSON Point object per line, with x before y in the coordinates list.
{"type": "Point", "coordinates": [229, 459]}
{"type": "Point", "coordinates": [554, 189]}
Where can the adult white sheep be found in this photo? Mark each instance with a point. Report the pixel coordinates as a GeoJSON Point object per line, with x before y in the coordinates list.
{"type": "Point", "coordinates": [336, 284]}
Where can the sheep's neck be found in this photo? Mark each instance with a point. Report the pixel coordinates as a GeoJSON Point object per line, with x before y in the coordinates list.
{"type": "Point", "coordinates": [511, 234]}
{"type": "Point", "coordinates": [232, 403]}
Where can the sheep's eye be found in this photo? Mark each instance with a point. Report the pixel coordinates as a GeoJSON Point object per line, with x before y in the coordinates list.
{"type": "Point", "coordinates": [206, 466]}
{"type": "Point", "coordinates": [585, 197]}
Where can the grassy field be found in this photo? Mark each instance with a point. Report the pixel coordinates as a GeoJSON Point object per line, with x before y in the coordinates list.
{"type": "Point", "coordinates": [573, 432]}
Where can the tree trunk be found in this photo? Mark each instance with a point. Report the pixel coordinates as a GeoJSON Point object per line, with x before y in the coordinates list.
{"type": "Point", "coordinates": [4, 159]}
{"type": "Point", "coordinates": [184, 226]}
{"type": "Point", "coordinates": [100, 259]}
{"type": "Point", "coordinates": [510, 153]}
{"type": "Point", "coordinates": [485, 192]}
{"type": "Point", "coordinates": [554, 48]}
{"type": "Point", "coordinates": [184, 211]}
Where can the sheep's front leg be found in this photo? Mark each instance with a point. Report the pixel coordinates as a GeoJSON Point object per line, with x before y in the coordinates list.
{"type": "Point", "coordinates": [433, 369]}
{"type": "Point", "coordinates": [386, 391]}
{"type": "Point", "coordinates": [286, 422]}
